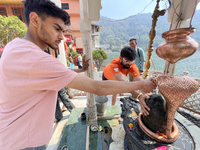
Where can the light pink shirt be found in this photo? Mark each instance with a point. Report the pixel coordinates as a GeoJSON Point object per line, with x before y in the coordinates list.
{"type": "Point", "coordinates": [29, 82]}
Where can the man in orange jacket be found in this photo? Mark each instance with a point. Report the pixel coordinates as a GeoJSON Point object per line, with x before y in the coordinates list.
{"type": "Point", "coordinates": [121, 67]}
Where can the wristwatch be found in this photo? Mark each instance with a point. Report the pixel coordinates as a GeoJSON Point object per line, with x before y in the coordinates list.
{"type": "Point", "coordinates": [138, 96]}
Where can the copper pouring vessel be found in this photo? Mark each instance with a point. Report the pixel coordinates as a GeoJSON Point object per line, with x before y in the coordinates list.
{"type": "Point", "coordinates": [177, 45]}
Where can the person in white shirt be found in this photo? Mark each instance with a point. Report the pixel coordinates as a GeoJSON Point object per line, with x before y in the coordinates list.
{"type": "Point", "coordinates": [80, 61]}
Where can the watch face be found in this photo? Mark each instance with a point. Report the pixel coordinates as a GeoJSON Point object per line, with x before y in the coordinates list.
{"type": "Point", "coordinates": [94, 127]}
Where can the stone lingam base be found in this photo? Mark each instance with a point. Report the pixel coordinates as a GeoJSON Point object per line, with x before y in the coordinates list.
{"type": "Point", "coordinates": [159, 138]}
{"type": "Point", "coordinates": [136, 139]}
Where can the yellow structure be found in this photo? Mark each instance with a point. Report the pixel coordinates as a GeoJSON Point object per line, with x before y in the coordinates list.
{"type": "Point", "coordinates": [12, 7]}
{"type": "Point", "coordinates": [11, 2]}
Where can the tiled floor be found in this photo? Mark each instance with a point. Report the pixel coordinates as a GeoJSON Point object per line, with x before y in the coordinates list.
{"type": "Point", "coordinates": [79, 102]}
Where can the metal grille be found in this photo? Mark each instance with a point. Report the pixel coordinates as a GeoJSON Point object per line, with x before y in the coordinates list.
{"type": "Point", "coordinates": [193, 102]}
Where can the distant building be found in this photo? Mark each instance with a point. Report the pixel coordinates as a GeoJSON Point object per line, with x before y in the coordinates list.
{"type": "Point", "coordinates": [109, 51]}
{"type": "Point", "coordinates": [12, 7]}
{"type": "Point", "coordinates": [72, 34]}
{"type": "Point", "coordinates": [96, 30]}
{"type": "Point", "coordinates": [73, 31]}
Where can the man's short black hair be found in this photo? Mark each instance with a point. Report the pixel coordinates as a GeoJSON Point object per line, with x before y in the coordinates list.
{"type": "Point", "coordinates": [133, 39]}
{"type": "Point", "coordinates": [128, 52]}
{"type": "Point", "coordinates": [45, 8]}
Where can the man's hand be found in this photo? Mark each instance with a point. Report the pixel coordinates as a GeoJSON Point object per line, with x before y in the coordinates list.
{"type": "Point", "coordinates": [141, 72]}
{"type": "Point", "coordinates": [144, 107]}
{"type": "Point", "coordinates": [147, 85]}
{"type": "Point", "coordinates": [85, 64]}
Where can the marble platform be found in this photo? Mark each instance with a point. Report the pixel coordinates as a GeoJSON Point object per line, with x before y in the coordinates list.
{"type": "Point", "coordinates": [74, 134]}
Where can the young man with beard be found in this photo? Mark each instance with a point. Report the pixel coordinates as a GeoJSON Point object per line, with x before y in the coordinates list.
{"type": "Point", "coordinates": [30, 79]}
{"type": "Point", "coordinates": [121, 67]}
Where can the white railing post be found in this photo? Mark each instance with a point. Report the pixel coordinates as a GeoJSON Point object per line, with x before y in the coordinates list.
{"type": "Point", "coordinates": [89, 11]}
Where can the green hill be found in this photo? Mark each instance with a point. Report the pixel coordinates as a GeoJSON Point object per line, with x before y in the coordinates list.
{"type": "Point", "coordinates": [118, 33]}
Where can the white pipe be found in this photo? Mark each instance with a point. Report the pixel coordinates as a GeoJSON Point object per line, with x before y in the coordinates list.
{"type": "Point", "coordinates": [62, 53]}
{"type": "Point", "coordinates": [87, 138]}
{"type": "Point", "coordinates": [108, 117]}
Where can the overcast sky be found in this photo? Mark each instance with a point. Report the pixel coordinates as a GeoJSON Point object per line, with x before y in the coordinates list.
{"type": "Point", "coordinates": [119, 9]}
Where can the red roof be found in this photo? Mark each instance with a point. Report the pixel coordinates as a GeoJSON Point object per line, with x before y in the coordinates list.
{"type": "Point", "coordinates": [1, 49]}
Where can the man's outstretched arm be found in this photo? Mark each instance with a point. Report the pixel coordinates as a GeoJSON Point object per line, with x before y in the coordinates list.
{"type": "Point", "coordinates": [109, 87]}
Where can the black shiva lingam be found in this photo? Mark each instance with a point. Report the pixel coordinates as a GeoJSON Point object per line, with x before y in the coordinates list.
{"type": "Point", "coordinates": [156, 123]}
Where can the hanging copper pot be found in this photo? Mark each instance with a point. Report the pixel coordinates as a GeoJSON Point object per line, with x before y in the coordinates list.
{"type": "Point", "coordinates": [177, 45]}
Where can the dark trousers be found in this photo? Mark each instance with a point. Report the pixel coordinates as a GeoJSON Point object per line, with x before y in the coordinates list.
{"type": "Point", "coordinates": [66, 102]}
{"type": "Point", "coordinates": [80, 67]}
{"type": "Point", "coordinates": [103, 77]}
